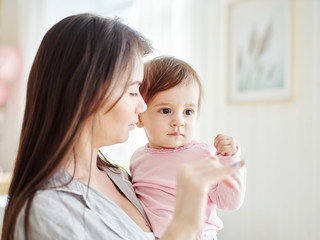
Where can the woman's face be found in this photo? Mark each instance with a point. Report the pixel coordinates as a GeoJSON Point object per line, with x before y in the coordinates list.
{"type": "Point", "coordinates": [114, 126]}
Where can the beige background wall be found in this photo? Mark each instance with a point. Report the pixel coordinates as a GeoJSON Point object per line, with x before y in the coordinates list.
{"type": "Point", "coordinates": [280, 141]}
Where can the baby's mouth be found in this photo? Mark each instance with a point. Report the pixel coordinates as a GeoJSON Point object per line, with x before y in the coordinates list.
{"type": "Point", "coordinates": [176, 134]}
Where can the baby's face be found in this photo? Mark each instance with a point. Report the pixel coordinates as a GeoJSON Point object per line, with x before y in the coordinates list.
{"type": "Point", "coordinates": [170, 119]}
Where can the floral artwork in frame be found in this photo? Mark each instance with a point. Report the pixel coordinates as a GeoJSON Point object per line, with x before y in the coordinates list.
{"type": "Point", "coordinates": [260, 52]}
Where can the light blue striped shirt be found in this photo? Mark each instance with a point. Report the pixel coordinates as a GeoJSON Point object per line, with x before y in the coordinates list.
{"type": "Point", "coordinates": [77, 212]}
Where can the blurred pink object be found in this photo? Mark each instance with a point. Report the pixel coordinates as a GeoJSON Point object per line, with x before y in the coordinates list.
{"type": "Point", "coordinates": [3, 93]}
{"type": "Point", "coordinates": [10, 63]}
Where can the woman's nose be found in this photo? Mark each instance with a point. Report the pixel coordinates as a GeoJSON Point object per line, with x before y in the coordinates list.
{"type": "Point", "coordinates": [142, 106]}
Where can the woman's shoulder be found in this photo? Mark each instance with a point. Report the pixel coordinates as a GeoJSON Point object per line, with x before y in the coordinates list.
{"type": "Point", "coordinates": [50, 211]}
{"type": "Point", "coordinates": [56, 204]}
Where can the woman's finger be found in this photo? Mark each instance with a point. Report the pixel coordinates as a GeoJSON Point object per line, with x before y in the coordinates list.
{"type": "Point", "coordinates": [193, 183]}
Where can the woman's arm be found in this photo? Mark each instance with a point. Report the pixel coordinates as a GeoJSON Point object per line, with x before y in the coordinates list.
{"type": "Point", "coordinates": [193, 183]}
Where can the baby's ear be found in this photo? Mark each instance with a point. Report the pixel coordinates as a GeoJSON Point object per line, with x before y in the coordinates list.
{"type": "Point", "coordinates": [139, 124]}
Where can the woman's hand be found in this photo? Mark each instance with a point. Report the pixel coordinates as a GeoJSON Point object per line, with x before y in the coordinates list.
{"type": "Point", "coordinates": [193, 183]}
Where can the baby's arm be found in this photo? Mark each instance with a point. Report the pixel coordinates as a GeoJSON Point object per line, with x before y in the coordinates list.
{"type": "Point", "coordinates": [228, 152]}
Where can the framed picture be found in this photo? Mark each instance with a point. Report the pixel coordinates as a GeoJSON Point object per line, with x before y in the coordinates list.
{"type": "Point", "coordinates": [260, 50]}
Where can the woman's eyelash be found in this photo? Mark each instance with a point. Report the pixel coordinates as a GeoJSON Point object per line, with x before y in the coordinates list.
{"type": "Point", "coordinates": [134, 94]}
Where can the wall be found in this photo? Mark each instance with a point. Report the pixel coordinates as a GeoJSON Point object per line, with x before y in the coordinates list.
{"type": "Point", "coordinates": [9, 127]}
{"type": "Point", "coordinates": [280, 140]}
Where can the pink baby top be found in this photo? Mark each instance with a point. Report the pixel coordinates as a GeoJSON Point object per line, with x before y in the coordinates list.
{"type": "Point", "coordinates": [154, 173]}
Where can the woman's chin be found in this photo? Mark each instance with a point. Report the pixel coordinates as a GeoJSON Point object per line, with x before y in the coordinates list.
{"type": "Point", "coordinates": [116, 140]}
{"type": "Point", "coordinates": [123, 139]}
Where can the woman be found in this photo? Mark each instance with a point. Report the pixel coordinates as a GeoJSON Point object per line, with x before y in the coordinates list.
{"type": "Point", "coordinates": [83, 93]}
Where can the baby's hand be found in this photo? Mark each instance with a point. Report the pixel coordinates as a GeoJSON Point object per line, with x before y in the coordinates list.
{"type": "Point", "coordinates": [225, 145]}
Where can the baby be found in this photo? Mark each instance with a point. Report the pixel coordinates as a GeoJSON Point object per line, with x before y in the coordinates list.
{"type": "Point", "coordinates": [172, 91]}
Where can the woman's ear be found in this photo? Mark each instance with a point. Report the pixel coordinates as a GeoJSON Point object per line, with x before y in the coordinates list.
{"type": "Point", "coordinates": [139, 124]}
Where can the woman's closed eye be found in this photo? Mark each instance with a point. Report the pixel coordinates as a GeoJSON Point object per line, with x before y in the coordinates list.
{"type": "Point", "coordinates": [134, 94]}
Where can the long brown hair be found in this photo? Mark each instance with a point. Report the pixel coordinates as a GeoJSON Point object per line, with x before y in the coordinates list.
{"type": "Point", "coordinates": [165, 72]}
{"type": "Point", "coordinates": [75, 71]}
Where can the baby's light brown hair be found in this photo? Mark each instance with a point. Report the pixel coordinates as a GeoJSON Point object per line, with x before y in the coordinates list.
{"type": "Point", "coordinates": [163, 73]}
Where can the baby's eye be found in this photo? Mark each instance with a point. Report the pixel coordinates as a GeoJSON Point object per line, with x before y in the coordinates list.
{"type": "Point", "coordinates": [165, 110]}
{"type": "Point", "coordinates": [188, 112]}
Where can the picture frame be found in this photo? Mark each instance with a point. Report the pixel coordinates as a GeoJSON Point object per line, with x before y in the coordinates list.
{"type": "Point", "coordinates": [260, 51]}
